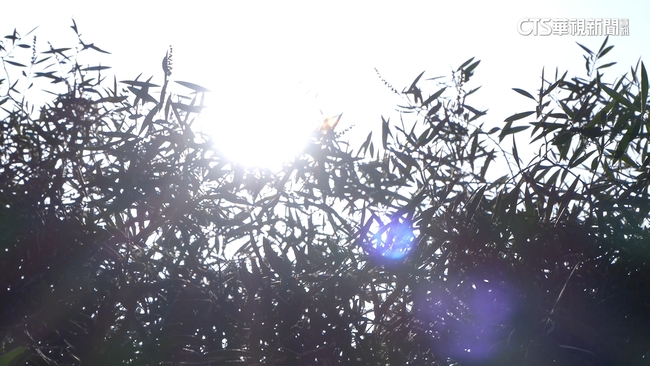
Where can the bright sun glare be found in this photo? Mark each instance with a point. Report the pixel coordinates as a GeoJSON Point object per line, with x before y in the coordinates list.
{"type": "Point", "coordinates": [262, 121]}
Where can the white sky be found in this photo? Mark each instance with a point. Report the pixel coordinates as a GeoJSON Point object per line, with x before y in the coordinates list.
{"type": "Point", "coordinates": [274, 66]}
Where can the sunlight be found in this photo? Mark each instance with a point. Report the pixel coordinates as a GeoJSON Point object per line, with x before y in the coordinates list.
{"type": "Point", "coordinates": [261, 122]}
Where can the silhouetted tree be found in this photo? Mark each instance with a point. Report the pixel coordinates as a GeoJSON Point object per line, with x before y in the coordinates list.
{"type": "Point", "coordinates": [115, 216]}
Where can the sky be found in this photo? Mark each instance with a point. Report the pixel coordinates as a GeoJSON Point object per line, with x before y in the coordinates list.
{"type": "Point", "coordinates": [278, 68]}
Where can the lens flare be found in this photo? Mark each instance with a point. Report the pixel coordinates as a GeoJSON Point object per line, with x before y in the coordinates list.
{"type": "Point", "coordinates": [393, 240]}
{"type": "Point", "coordinates": [487, 308]}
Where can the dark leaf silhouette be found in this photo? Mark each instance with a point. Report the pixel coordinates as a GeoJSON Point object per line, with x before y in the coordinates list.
{"type": "Point", "coordinates": [127, 237]}
{"type": "Point", "coordinates": [196, 88]}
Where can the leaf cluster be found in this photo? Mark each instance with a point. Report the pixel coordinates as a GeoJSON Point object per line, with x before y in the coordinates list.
{"type": "Point", "coordinates": [127, 238]}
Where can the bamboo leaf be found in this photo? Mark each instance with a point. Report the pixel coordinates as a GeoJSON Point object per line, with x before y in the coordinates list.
{"type": "Point", "coordinates": [385, 132]}
{"type": "Point", "coordinates": [465, 64]}
{"type": "Point", "coordinates": [472, 91]}
{"type": "Point", "coordinates": [644, 88]}
{"type": "Point", "coordinates": [567, 197]}
{"type": "Point", "coordinates": [602, 47]}
{"type": "Point", "coordinates": [471, 67]}
{"type": "Point", "coordinates": [618, 97]}
{"type": "Point", "coordinates": [14, 63]}
{"type": "Point", "coordinates": [514, 152]}
{"type": "Point", "coordinates": [195, 87]}
{"type": "Point", "coordinates": [625, 141]}
{"type": "Point", "coordinates": [74, 27]}
{"type": "Point", "coordinates": [57, 50]}
{"type": "Point", "coordinates": [142, 84]}
{"type": "Point", "coordinates": [96, 68]}
{"type": "Point", "coordinates": [473, 203]}
{"type": "Point", "coordinates": [524, 93]}
{"type": "Point", "coordinates": [434, 96]}
{"type": "Point", "coordinates": [606, 65]}
{"type": "Point", "coordinates": [416, 81]}
{"type": "Point", "coordinates": [518, 116]}
{"type": "Point", "coordinates": [187, 108]}
{"type": "Point", "coordinates": [586, 49]}
{"type": "Point", "coordinates": [510, 130]}
{"type": "Point", "coordinates": [365, 145]}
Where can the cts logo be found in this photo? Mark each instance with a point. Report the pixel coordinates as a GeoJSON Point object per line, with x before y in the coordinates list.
{"type": "Point", "coordinates": [535, 26]}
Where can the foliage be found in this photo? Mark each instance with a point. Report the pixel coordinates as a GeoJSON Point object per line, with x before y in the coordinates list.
{"type": "Point", "coordinates": [127, 238]}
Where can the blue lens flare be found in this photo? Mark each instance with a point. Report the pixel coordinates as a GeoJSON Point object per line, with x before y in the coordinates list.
{"type": "Point", "coordinates": [472, 322]}
{"type": "Point", "coordinates": [393, 240]}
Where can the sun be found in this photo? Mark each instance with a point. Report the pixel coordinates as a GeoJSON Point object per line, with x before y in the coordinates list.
{"type": "Point", "coordinates": [262, 122]}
